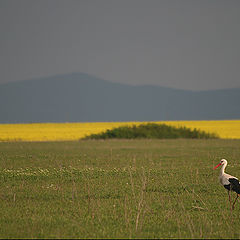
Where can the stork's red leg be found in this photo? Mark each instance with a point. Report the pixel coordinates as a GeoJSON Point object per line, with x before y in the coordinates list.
{"type": "Point", "coordinates": [229, 198]}
{"type": "Point", "coordinates": [234, 202]}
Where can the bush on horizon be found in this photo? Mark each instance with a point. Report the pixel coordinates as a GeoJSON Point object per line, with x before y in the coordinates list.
{"type": "Point", "coordinates": [152, 131]}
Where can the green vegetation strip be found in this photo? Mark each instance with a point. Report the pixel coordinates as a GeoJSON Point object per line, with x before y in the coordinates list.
{"type": "Point", "coordinates": [153, 131]}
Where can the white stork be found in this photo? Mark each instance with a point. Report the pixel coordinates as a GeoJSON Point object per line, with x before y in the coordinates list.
{"type": "Point", "coordinates": [231, 183]}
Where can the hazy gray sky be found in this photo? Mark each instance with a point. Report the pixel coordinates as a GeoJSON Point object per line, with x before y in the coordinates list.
{"type": "Point", "coordinates": [187, 44]}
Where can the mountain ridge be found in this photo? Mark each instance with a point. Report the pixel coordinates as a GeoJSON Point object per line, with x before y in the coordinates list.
{"type": "Point", "coordinates": [80, 97]}
{"type": "Point", "coordinates": [59, 76]}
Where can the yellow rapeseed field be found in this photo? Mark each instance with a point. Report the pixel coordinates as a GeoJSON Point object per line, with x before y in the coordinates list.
{"type": "Point", "coordinates": [74, 131]}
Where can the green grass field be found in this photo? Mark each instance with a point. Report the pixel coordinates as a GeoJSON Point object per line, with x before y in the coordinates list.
{"type": "Point", "coordinates": [117, 189]}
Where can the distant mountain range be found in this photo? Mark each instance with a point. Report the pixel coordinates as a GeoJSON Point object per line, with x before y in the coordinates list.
{"type": "Point", "coordinates": [80, 97]}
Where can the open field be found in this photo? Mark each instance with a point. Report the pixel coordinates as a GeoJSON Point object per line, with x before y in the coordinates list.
{"type": "Point", "coordinates": [229, 129]}
{"type": "Point", "coordinates": [117, 189]}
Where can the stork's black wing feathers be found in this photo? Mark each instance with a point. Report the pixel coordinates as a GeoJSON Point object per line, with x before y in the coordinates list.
{"type": "Point", "coordinates": [235, 185]}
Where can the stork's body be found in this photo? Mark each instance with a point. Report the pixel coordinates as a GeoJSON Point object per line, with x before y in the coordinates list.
{"type": "Point", "coordinates": [230, 182]}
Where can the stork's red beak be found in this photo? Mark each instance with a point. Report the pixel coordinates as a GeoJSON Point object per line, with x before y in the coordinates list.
{"type": "Point", "coordinates": [217, 166]}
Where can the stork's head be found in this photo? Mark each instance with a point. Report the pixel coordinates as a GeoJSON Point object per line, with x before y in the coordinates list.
{"type": "Point", "coordinates": [222, 162]}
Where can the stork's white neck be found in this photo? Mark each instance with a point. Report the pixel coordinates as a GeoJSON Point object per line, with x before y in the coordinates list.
{"type": "Point", "coordinates": [222, 171]}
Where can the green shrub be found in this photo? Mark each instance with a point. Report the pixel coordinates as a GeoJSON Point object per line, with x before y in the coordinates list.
{"type": "Point", "coordinates": [151, 130]}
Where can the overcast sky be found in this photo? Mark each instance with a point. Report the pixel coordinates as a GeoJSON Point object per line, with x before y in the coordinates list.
{"type": "Point", "coordinates": [186, 44]}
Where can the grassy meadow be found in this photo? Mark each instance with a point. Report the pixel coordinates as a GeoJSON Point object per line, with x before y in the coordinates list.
{"type": "Point", "coordinates": [117, 189]}
{"type": "Point", "coordinates": [229, 129]}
